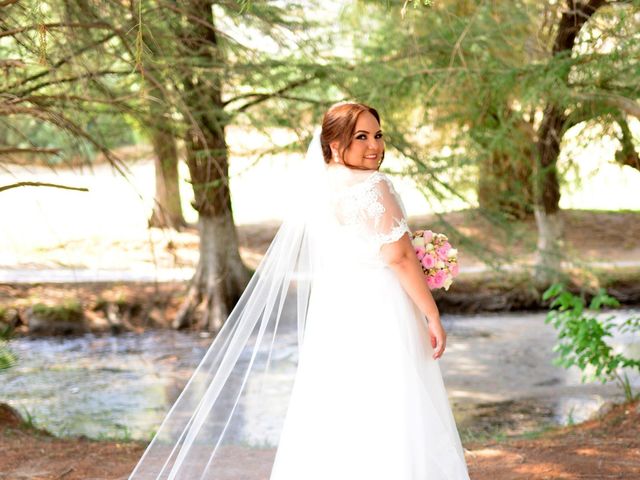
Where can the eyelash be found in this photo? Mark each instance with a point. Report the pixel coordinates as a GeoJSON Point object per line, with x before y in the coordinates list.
{"type": "Point", "coordinates": [359, 137]}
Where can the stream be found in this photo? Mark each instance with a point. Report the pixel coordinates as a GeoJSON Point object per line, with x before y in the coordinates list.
{"type": "Point", "coordinates": [497, 369]}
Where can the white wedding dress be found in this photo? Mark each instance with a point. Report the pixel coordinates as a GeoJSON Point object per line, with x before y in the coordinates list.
{"type": "Point", "coordinates": [368, 401]}
{"type": "Point", "coordinates": [323, 370]}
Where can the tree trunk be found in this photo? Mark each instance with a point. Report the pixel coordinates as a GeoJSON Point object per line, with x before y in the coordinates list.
{"type": "Point", "coordinates": [548, 252]}
{"type": "Point", "coordinates": [546, 185]}
{"type": "Point", "coordinates": [627, 155]}
{"type": "Point", "coordinates": [504, 181]}
{"type": "Point", "coordinates": [220, 276]}
{"type": "Point", "coordinates": [550, 136]}
{"type": "Point", "coordinates": [167, 208]}
{"type": "Point", "coordinates": [551, 128]}
{"type": "Point", "coordinates": [219, 279]}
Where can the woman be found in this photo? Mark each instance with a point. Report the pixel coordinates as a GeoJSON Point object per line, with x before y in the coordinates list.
{"type": "Point", "coordinates": [367, 400]}
{"type": "Point", "coordinates": [372, 405]}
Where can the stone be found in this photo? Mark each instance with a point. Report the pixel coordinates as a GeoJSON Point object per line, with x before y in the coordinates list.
{"type": "Point", "coordinates": [43, 320]}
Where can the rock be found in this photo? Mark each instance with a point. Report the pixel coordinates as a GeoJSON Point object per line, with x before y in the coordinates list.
{"type": "Point", "coordinates": [9, 416]}
{"type": "Point", "coordinates": [117, 321]}
{"type": "Point", "coordinates": [603, 409]}
{"type": "Point", "coordinates": [64, 320]}
{"type": "Point", "coordinates": [97, 322]}
{"type": "Point", "coordinates": [10, 317]}
{"type": "Point", "coordinates": [157, 318]}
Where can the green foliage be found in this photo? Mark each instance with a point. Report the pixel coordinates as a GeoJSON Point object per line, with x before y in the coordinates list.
{"type": "Point", "coordinates": [463, 87]}
{"type": "Point", "coordinates": [7, 357]}
{"type": "Point", "coordinates": [582, 336]}
{"type": "Point", "coordinates": [69, 311]}
{"type": "Point", "coordinates": [29, 419]}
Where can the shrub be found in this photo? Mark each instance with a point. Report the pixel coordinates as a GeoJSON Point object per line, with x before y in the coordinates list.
{"type": "Point", "coordinates": [582, 334]}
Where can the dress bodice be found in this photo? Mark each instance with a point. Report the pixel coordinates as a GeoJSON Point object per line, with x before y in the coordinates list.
{"type": "Point", "coordinates": [364, 212]}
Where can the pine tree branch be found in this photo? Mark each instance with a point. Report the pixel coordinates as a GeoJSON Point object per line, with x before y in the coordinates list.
{"type": "Point", "coordinates": [59, 63]}
{"type": "Point", "coordinates": [624, 104]}
{"type": "Point", "coordinates": [10, 150]}
{"type": "Point", "coordinates": [41, 184]}
{"type": "Point", "coordinates": [15, 31]}
{"type": "Point", "coordinates": [261, 97]}
{"type": "Point", "coordinates": [61, 121]}
{"type": "Point", "coordinates": [72, 79]}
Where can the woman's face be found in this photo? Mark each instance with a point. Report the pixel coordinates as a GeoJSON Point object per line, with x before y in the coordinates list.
{"type": "Point", "coordinates": [367, 143]}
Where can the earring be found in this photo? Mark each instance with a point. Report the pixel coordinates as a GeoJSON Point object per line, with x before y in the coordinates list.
{"type": "Point", "coordinates": [335, 156]}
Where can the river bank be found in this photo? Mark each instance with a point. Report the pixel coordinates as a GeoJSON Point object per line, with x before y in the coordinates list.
{"type": "Point", "coordinates": [80, 307]}
{"type": "Point", "coordinates": [498, 370]}
{"type": "Point", "coordinates": [606, 447]}
{"type": "Point", "coordinates": [133, 283]}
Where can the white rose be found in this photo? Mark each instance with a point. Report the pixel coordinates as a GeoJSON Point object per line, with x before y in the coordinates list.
{"type": "Point", "coordinates": [429, 247]}
{"type": "Point", "coordinates": [418, 242]}
{"type": "Point", "coordinates": [452, 253]}
{"type": "Point", "coordinates": [440, 264]}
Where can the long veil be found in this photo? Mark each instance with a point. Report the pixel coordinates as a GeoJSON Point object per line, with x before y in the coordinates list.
{"type": "Point", "coordinates": [226, 422]}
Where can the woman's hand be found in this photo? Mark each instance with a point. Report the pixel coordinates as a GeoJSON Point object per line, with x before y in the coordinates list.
{"type": "Point", "coordinates": [438, 338]}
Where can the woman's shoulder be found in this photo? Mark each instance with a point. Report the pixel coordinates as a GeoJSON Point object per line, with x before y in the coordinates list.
{"type": "Point", "coordinates": [369, 184]}
{"type": "Point", "coordinates": [373, 178]}
{"type": "Point", "coordinates": [382, 182]}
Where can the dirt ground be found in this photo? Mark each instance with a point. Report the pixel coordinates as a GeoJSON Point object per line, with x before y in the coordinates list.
{"type": "Point", "coordinates": [603, 448]}
{"type": "Point", "coordinates": [589, 235]}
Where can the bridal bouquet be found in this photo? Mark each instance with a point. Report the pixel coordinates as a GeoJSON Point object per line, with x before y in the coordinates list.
{"type": "Point", "coordinates": [438, 259]}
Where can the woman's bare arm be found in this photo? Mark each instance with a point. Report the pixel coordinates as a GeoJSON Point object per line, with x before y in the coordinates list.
{"type": "Point", "coordinates": [401, 257]}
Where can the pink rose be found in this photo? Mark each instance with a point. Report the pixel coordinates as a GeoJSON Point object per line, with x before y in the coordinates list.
{"type": "Point", "coordinates": [427, 235]}
{"type": "Point", "coordinates": [428, 261]}
{"type": "Point", "coordinates": [431, 283]}
{"type": "Point", "coordinates": [420, 252]}
{"type": "Point", "coordinates": [454, 269]}
{"type": "Point", "coordinates": [443, 250]}
{"type": "Point", "coordinates": [439, 278]}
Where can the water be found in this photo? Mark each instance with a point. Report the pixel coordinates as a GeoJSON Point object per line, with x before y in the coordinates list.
{"type": "Point", "coordinates": [497, 370]}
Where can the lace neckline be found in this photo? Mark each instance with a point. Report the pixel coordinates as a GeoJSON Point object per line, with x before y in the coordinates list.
{"type": "Point", "coordinates": [351, 177]}
{"type": "Point", "coordinates": [341, 167]}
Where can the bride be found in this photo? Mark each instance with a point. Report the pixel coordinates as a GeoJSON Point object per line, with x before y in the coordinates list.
{"type": "Point", "coordinates": [327, 368]}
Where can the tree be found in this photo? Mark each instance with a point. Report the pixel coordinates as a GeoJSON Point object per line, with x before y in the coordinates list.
{"type": "Point", "coordinates": [182, 70]}
{"type": "Point", "coordinates": [219, 79]}
{"type": "Point", "coordinates": [49, 79]}
{"type": "Point", "coordinates": [55, 89]}
{"type": "Point", "coordinates": [559, 115]}
{"type": "Point", "coordinates": [503, 81]}
{"type": "Point", "coordinates": [191, 78]}
{"type": "Point", "coordinates": [499, 84]}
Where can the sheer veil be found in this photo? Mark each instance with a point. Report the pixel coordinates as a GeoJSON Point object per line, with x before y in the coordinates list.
{"type": "Point", "coordinates": [234, 404]}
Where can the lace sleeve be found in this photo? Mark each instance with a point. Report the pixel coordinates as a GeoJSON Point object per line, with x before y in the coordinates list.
{"type": "Point", "coordinates": [375, 209]}
{"type": "Point", "coordinates": [389, 221]}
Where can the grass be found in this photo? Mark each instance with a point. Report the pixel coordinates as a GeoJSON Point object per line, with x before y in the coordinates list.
{"type": "Point", "coordinates": [124, 437]}
{"type": "Point", "coordinates": [69, 311]}
{"type": "Point", "coordinates": [28, 419]}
